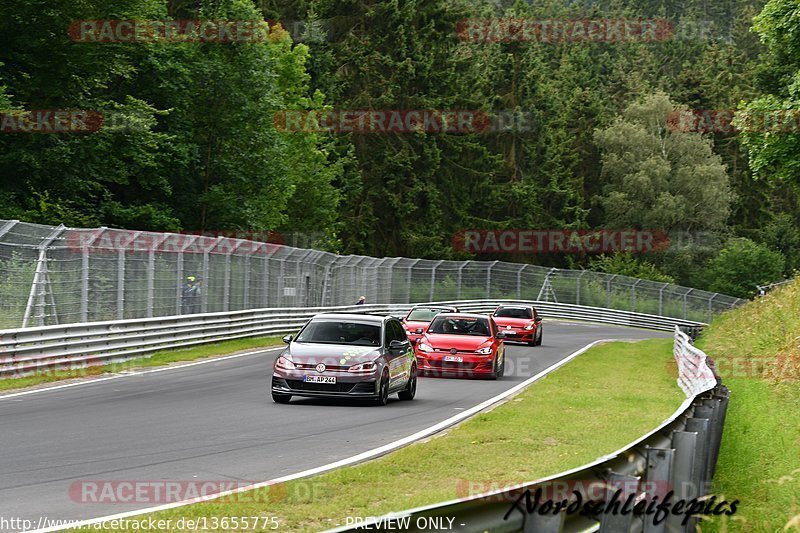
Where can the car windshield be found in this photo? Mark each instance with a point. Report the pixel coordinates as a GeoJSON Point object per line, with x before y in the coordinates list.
{"type": "Point", "coordinates": [423, 314]}
{"type": "Point", "coordinates": [460, 326]}
{"type": "Point", "coordinates": [336, 332]}
{"type": "Point", "coordinates": [513, 312]}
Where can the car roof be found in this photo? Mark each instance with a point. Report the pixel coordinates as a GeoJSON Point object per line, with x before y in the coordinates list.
{"type": "Point", "coordinates": [462, 315]}
{"type": "Point", "coordinates": [451, 307]}
{"type": "Point", "coordinates": [515, 306]}
{"type": "Point", "coordinates": [357, 317]}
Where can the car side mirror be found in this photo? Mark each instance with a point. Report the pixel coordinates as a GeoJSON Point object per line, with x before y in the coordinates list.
{"type": "Point", "coordinates": [397, 345]}
{"type": "Point", "coordinates": [287, 339]}
{"type": "Point", "coordinates": [418, 331]}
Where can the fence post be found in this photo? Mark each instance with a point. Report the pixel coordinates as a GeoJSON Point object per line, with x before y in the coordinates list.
{"type": "Point", "coordinates": [519, 281]}
{"type": "Point", "coordinates": [433, 279]}
{"type": "Point", "coordinates": [121, 284]}
{"type": "Point", "coordinates": [633, 295]}
{"type": "Point", "coordinates": [608, 291]}
{"type": "Point", "coordinates": [684, 302]}
{"type": "Point", "coordinates": [151, 272]}
{"type": "Point", "coordinates": [661, 299]}
{"type": "Point", "coordinates": [710, 312]}
{"type": "Point", "coordinates": [460, 273]}
{"type": "Point", "coordinates": [489, 280]}
{"type": "Point", "coordinates": [85, 275]}
{"type": "Point", "coordinates": [578, 288]}
{"type": "Point", "coordinates": [206, 283]}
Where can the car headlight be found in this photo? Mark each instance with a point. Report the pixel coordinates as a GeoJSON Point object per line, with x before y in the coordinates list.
{"type": "Point", "coordinates": [363, 367]}
{"type": "Point", "coordinates": [284, 363]}
{"type": "Point", "coordinates": [529, 326]}
{"type": "Point", "coordinates": [485, 351]}
{"type": "Point", "coordinates": [424, 347]}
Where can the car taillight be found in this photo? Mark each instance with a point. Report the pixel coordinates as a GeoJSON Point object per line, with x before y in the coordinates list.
{"type": "Point", "coordinates": [284, 364]}
{"type": "Point", "coordinates": [363, 367]}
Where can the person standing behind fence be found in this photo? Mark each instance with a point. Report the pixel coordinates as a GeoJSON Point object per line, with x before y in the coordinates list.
{"type": "Point", "coordinates": [361, 300]}
{"type": "Point", "coordinates": [190, 293]}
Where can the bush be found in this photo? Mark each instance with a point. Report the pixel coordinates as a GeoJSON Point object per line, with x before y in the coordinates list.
{"type": "Point", "coordinates": [741, 266]}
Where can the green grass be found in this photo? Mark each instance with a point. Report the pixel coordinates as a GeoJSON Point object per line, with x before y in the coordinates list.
{"type": "Point", "coordinates": [592, 406]}
{"type": "Point", "coordinates": [759, 461]}
{"type": "Point", "coordinates": [156, 359]}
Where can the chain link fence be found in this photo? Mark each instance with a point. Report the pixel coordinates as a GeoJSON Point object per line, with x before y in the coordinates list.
{"type": "Point", "coordinates": [59, 275]}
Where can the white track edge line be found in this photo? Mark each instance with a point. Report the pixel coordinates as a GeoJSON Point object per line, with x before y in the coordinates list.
{"type": "Point", "coordinates": [139, 372]}
{"type": "Point", "coordinates": [370, 454]}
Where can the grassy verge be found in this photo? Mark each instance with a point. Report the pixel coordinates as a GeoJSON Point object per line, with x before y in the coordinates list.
{"type": "Point", "coordinates": [157, 359]}
{"type": "Point", "coordinates": [594, 405]}
{"type": "Point", "coordinates": [757, 349]}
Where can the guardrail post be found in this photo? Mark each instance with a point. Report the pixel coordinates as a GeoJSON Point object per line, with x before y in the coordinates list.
{"type": "Point", "coordinates": [658, 476]}
{"type": "Point", "coordinates": [685, 445]}
{"type": "Point", "coordinates": [612, 522]}
{"type": "Point", "coordinates": [701, 426]}
{"type": "Point", "coordinates": [712, 409]}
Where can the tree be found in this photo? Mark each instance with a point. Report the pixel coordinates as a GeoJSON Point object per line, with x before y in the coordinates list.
{"type": "Point", "coordinates": [626, 264]}
{"type": "Point", "coordinates": [658, 178]}
{"type": "Point", "coordinates": [741, 266]}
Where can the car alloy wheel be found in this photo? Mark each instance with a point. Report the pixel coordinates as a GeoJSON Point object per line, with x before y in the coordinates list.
{"type": "Point", "coordinates": [411, 388]}
{"type": "Point", "coordinates": [383, 390]}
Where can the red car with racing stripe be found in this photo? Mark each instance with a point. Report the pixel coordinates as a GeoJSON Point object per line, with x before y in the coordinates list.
{"type": "Point", "coordinates": [461, 344]}
{"type": "Point", "coordinates": [519, 323]}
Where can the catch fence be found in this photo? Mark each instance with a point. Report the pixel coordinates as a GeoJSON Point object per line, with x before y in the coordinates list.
{"type": "Point", "coordinates": [58, 275]}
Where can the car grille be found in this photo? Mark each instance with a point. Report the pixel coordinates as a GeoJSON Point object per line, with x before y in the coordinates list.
{"type": "Point", "coordinates": [319, 387]}
{"type": "Point", "coordinates": [448, 350]}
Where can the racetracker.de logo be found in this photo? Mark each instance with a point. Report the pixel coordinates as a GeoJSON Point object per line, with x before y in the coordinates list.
{"type": "Point", "coordinates": [402, 121]}
{"type": "Point", "coordinates": [50, 121]}
{"type": "Point", "coordinates": [560, 241]}
{"type": "Point", "coordinates": [169, 31]}
{"type": "Point", "coordinates": [731, 121]}
{"type": "Point", "coordinates": [505, 30]}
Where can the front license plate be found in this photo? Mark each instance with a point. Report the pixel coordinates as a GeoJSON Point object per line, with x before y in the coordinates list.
{"type": "Point", "coordinates": [320, 379]}
{"type": "Point", "coordinates": [510, 332]}
{"type": "Point", "coordinates": [453, 358]}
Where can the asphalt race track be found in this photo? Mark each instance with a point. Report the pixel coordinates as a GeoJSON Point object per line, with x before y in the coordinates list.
{"type": "Point", "coordinates": [216, 421]}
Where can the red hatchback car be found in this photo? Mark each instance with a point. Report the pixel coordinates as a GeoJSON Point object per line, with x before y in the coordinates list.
{"type": "Point", "coordinates": [419, 318]}
{"type": "Point", "coordinates": [519, 323]}
{"type": "Point", "coordinates": [461, 344]}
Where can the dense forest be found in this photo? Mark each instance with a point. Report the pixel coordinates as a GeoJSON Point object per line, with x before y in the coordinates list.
{"type": "Point", "coordinates": [190, 142]}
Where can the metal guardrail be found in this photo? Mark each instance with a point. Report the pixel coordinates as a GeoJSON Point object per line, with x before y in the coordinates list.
{"type": "Point", "coordinates": [27, 350]}
{"type": "Point", "coordinates": [679, 456]}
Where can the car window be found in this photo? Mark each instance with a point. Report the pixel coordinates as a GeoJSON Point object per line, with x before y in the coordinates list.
{"type": "Point", "coordinates": [340, 332]}
{"type": "Point", "coordinates": [398, 332]}
{"type": "Point", "coordinates": [513, 312]}
{"type": "Point", "coordinates": [460, 326]}
{"type": "Point", "coordinates": [423, 314]}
